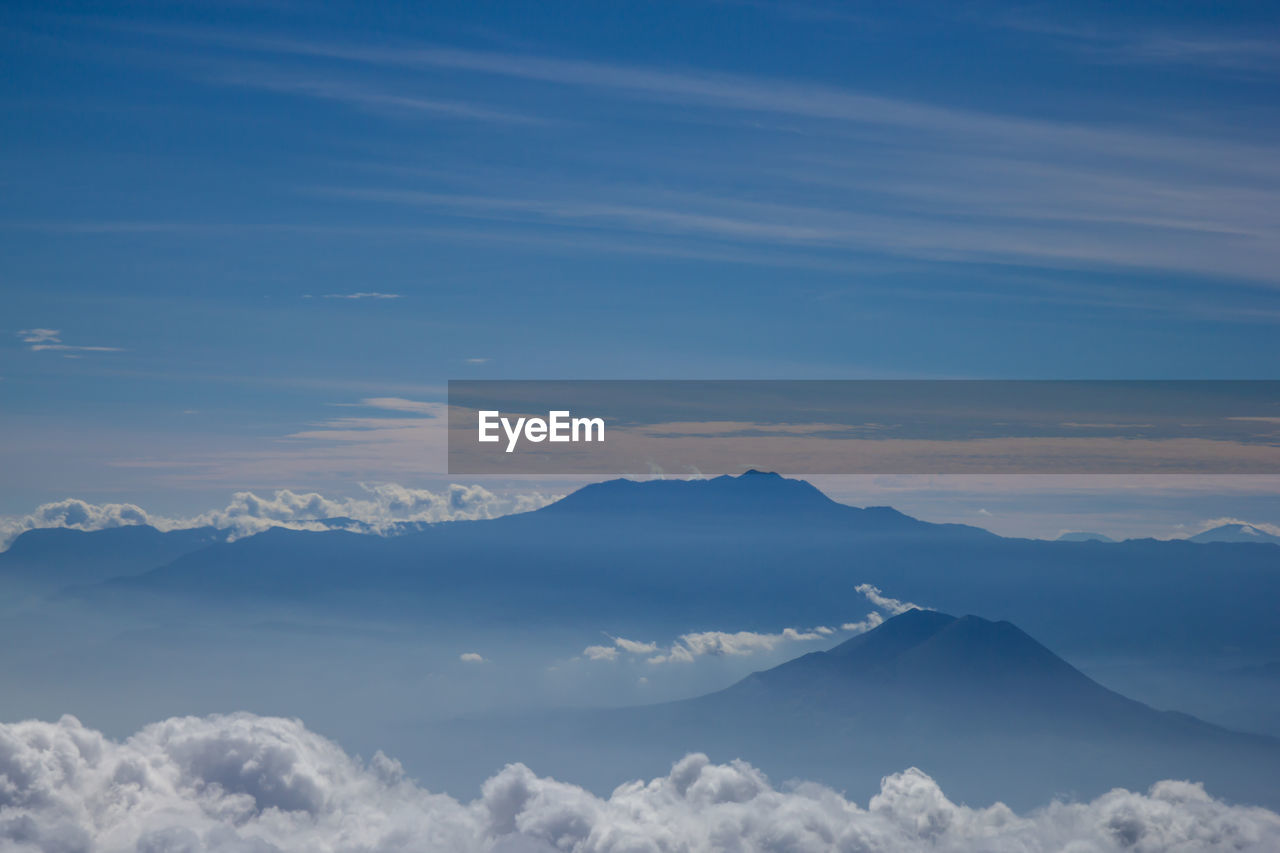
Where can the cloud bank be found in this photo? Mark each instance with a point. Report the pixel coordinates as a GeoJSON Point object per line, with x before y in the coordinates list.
{"type": "Point", "coordinates": [379, 510]}
{"type": "Point", "coordinates": [247, 784]}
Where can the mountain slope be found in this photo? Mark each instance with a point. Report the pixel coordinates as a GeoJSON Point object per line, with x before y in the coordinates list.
{"type": "Point", "coordinates": [685, 547]}
{"type": "Point", "coordinates": [752, 498]}
{"type": "Point", "coordinates": [47, 559]}
{"type": "Point", "coordinates": [967, 672]}
{"type": "Point", "coordinates": [976, 703]}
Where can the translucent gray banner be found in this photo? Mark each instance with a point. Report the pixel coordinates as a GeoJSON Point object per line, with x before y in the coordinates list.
{"type": "Point", "coordinates": [684, 427]}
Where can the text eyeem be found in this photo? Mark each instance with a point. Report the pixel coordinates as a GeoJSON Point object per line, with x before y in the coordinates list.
{"type": "Point", "coordinates": [558, 426]}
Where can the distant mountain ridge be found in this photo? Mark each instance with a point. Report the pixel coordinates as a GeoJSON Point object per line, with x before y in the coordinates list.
{"type": "Point", "coordinates": [1236, 533]}
{"type": "Point", "coordinates": [734, 552]}
{"type": "Point", "coordinates": [753, 491]}
{"type": "Point", "coordinates": [616, 522]}
{"type": "Point", "coordinates": [46, 559]}
{"type": "Point", "coordinates": [752, 494]}
{"type": "Point", "coordinates": [750, 490]}
{"type": "Point", "coordinates": [1083, 536]}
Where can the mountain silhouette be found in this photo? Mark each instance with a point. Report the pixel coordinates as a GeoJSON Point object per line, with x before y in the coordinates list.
{"type": "Point", "coordinates": [750, 492]}
{"type": "Point", "coordinates": [966, 671]}
{"type": "Point", "coordinates": [47, 559]}
{"type": "Point", "coordinates": [752, 497]}
{"type": "Point", "coordinates": [647, 532]}
{"type": "Point", "coordinates": [1235, 533]}
{"type": "Point", "coordinates": [1084, 536]}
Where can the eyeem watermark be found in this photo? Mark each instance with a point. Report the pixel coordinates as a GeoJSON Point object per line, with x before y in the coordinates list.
{"type": "Point", "coordinates": [804, 427]}
{"type": "Point", "coordinates": [558, 426]}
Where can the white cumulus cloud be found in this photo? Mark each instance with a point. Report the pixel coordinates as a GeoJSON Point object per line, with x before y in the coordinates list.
{"type": "Point", "coordinates": [633, 647]}
{"type": "Point", "coordinates": [601, 652]}
{"type": "Point", "coordinates": [241, 784]}
{"type": "Point", "coordinates": [700, 643]}
{"type": "Point", "coordinates": [867, 623]}
{"type": "Point", "coordinates": [892, 606]}
{"type": "Point", "coordinates": [72, 513]}
{"type": "Point", "coordinates": [689, 647]}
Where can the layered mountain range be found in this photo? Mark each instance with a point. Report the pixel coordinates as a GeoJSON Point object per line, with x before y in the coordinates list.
{"type": "Point", "coordinates": [744, 551]}
{"type": "Point", "coordinates": [362, 634]}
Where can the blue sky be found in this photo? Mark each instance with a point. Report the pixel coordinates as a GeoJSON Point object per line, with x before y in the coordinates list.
{"type": "Point", "coordinates": [222, 227]}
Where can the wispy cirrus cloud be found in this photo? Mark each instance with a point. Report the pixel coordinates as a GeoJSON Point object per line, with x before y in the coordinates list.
{"type": "Point", "coordinates": [398, 404]}
{"type": "Point", "coordinates": [393, 438]}
{"type": "Point", "coordinates": [1232, 51]}
{"type": "Point", "coordinates": [721, 90]}
{"type": "Point", "coordinates": [369, 294]}
{"type": "Point", "coordinates": [370, 99]}
{"type": "Point", "coordinates": [51, 339]}
{"type": "Point", "coordinates": [1063, 217]}
{"type": "Point", "coordinates": [936, 185]}
{"type": "Point", "coordinates": [38, 336]}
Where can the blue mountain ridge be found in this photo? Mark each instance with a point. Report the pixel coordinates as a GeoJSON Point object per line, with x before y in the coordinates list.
{"type": "Point", "coordinates": [748, 551]}
{"type": "Point", "coordinates": [743, 552]}
{"type": "Point", "coordinates": [55, 557]}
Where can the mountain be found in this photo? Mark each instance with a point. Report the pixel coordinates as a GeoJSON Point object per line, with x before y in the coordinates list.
{"type": "Point", "coordinates": [608, 550]}
{"type": "Point", "coordinates": [48, 559]}
{"type": "Point", "coordinates": [958, 694]}
{"type": "Point", "coordinates": [735, 553]}
{"type": "Point", "coordinates": [750, 497]}
{"type": "Point", "coordinates": [752, 491]}
{"type": "Point", "coordinates": [924, 664]}
{"type": "Point", "coordinates": [1235, 533]}
{"type": "Point", "coordinates": [1268, 670]}
{"type": "Point", "coordinates": [1082, 536]}
{"type": "Point", "coordinates": [978, 704]}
